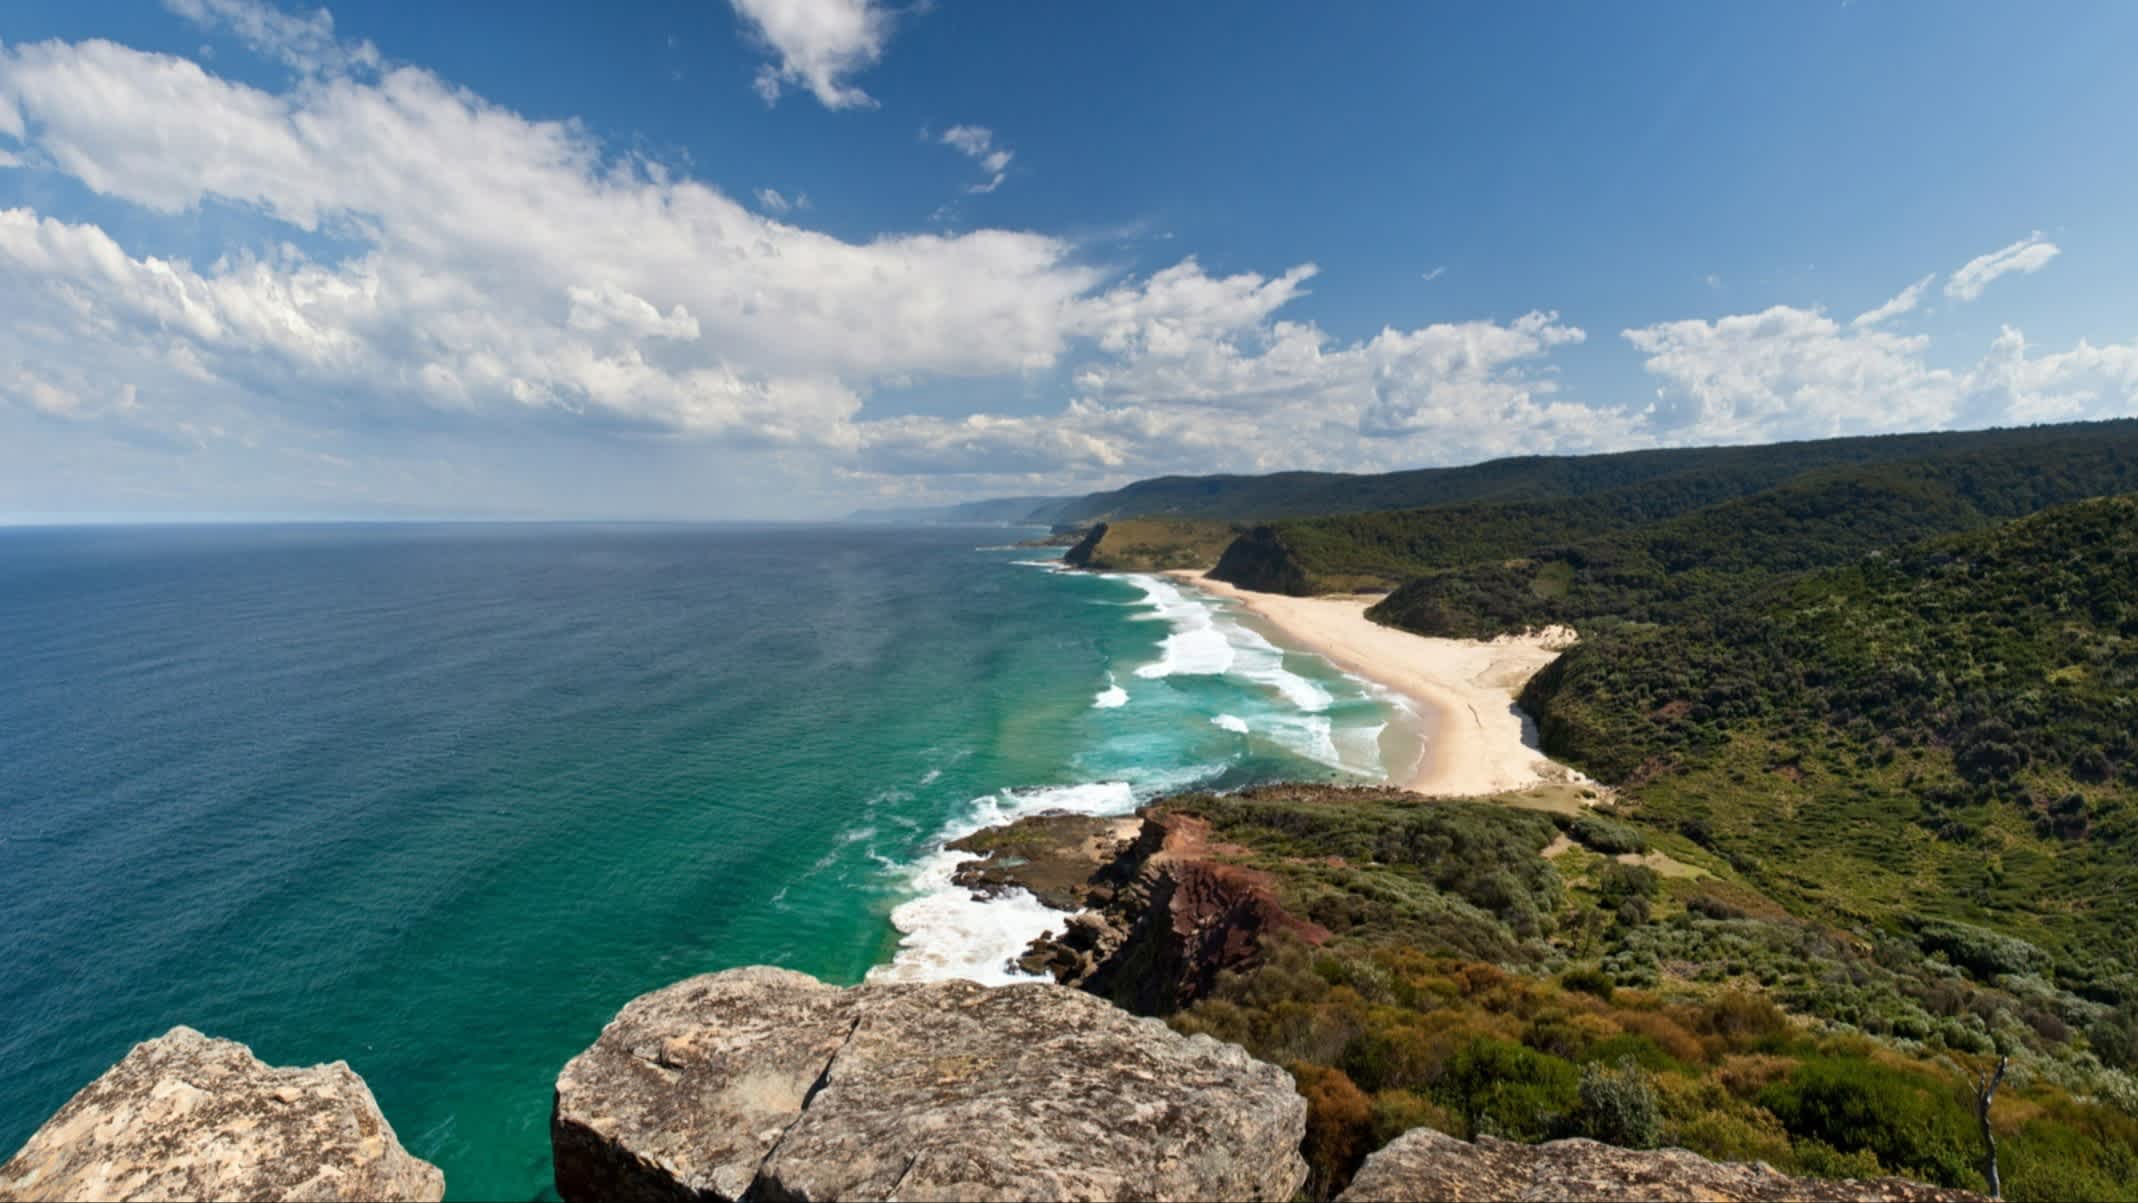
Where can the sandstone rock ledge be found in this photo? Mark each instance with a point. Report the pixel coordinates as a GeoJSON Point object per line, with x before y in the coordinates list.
{"type": "Point", "coordinates": [772, 1085]}
{"type": "Point", "coordinates": [1423, 1165]}
{"type": "Point", "coordinates": [187, 1117]}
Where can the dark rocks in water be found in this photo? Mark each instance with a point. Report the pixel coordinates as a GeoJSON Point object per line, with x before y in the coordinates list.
{"type": "Point", "coordinates": [184, 1116]}
{"type": "Point", "coordinates": [1054, 856]}
{"type": "Point", "coordinates": [1423, 1165]}
{"type": "Point", "coordinates": [1168, 915]}
{"type": "Point", "coordinates": [770, 1084]}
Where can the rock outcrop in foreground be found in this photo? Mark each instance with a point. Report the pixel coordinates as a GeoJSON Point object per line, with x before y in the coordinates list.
{"type": "Point", "coordinates": [772, 1084]}
{"type": "Point", "coordinates": [187, 1117]}
{"type": "Point", "coordinates": [1426, 1165]}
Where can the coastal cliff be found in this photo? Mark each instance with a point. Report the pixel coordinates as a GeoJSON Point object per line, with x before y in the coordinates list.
{"type": "Point", "coordinates": [187, 1117]}
{"type": "Point", "coordinates": [1150, 545]}
{"type": "Point", "coordinates": [766, 1084]}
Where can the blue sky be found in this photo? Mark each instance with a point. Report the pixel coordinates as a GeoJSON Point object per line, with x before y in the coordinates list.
{"type": "Point", "coordinates": [787, 257]}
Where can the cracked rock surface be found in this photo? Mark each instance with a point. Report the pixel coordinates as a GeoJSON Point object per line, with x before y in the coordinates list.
{"type": "Point", "coordinates": [187, 1117]}
{"type": "Point", "coordinates": [1425, 1165]}
{"type": "Point", "coordinates": [767, 1084]}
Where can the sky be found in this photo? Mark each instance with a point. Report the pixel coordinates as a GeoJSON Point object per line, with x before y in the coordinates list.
{"type": "Point", "coordinates": [787, 258]}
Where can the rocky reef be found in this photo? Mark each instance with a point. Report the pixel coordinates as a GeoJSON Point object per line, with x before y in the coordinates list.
{"type": "Point", "coordinates": [1424, 1165]}
{"type": "Point", "coordinates": [1153, 911]}
{"type": "Point", "coordinates": [184, 1116]}
{"type": "Point", "coordinates": [767, 1084]}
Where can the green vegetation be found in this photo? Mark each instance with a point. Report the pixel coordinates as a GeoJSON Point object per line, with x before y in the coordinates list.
{"type": "Point", "coordinates": [1151, 545]}
{"type": "Point", "coordinates": [1699, 562]}
{"type": "Point", "coordinates": [1943, 738]}
{"type": "Point", "coordinates": [1473, 985]}
{"type": "Point", "coordinates": [1525, 479]}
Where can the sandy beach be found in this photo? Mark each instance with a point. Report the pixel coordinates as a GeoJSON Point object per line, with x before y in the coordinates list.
{"type": "Point", "coordinates": [1481, 743]}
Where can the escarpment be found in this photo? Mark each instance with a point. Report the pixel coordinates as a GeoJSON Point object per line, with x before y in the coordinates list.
{"type": "Point", "coordinates": [768, 1084]}
{"type": "Point", "coordinates": [184, 1116]}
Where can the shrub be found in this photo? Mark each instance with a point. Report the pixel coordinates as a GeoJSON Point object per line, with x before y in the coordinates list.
{"type": "Point", "coordinates": [1743, 1020]}
{"type": "Point", "coordinates": [1980, 951]}
{"type": "Point", "coordinates": [1618, 1106]}
{"type": "Point", "coordinates": [1909, 1124]}
{"type": "Point", "coordinates": [1504, 1089]}
{"type": "Point", "coordinates": [1608, 836]}
{"type": "Point", "coordinates": [1588, 980]}
{"type": "Point", "coordinates": [1339, 1128]}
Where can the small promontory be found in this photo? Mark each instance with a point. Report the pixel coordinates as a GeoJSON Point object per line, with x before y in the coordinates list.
{"type": "Point", "coordinates": [769, 1084]}
{"type": "Point", "coordinates": [1423, 1165]}
{"type": "Point", "coordinates": [184, 1116]}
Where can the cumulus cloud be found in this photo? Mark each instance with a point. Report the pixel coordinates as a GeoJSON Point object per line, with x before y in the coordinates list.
{"type": "Point", "coordinates": [2028, 255]}
{"type": "Point", "coordinates": [816, 45]}
{"type": "Point", "coordinates": [501, 262]}
{"type": "Point", "coordinates": [1902, 302]}
{"type": "Point", "coordinates": [977, 142]}
{"type": "Point", "coordinates": [1796, 373]}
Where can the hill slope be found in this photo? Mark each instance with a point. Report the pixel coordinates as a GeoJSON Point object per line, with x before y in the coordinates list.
{"type": "Point", "coordinates": [1943, 734]}
{"type": "Point", "coordinates": [1696, 561]}
{"type": "Point", "coordinates": [1526, 479]}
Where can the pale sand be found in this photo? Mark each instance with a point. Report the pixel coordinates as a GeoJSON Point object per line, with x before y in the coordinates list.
{"type": "Point", "coordinates": [1481, 742]}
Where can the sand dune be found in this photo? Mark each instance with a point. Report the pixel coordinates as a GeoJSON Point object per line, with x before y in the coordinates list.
{"type": "Point", "coordinates": [1481, 743]}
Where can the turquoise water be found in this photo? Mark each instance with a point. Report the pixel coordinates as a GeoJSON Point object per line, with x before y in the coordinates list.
{"type": "Point", "coordinates": [437, 800]}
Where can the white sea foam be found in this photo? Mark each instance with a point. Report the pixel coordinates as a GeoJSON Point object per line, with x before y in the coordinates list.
{"type": "Point", "coordinates": [1257, 659]}
{"type": "Point", "coordinates": [946, 932]}
{"type": "Point", "coordinates": [1196, 646]}
{"type": "Point", "coordinates": [1231, 722]}
{"type": "Point", "coordinates": [1111, 696]}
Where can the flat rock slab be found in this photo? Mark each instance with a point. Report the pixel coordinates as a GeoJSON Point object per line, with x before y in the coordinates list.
{"type": "Point", "coordinates": [1423, 1165]}
{"type": "Point", "coordinates": [187, 1117]}
{"type": "Point", "coordinates": [771, 1085]}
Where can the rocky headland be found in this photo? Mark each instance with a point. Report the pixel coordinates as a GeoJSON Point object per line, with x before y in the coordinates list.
{"type": "Point", "coordinates": [187, 1117]}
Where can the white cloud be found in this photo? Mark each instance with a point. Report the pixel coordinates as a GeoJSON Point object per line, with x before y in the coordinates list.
{"type": "Point", "coordinates": [307, 44]}
{"type": "Point", "coordinates": [977, 142]}
{"type": "Point", "coordinates": [1902, 302]}
{"type": "Point", "coordinates": [1197, 376]}
{"type": "Point", "coordinates": [771, 201]}
{"type": "Point", "coordinates": [818, 43]}
{"type": "Point", "coordinates": [1787, 372]}
{"type": "Point", "coordinates": [1434, 274]}
{"type": "Point", "coordinates": [9, 158]}
{"type": "Point", "coordinates": [1796, 373]}
{"type": "Point", "coordinates": [2028, 255]}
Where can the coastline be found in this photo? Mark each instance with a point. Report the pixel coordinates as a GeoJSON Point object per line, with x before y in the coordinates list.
{"type": "Point", "coordinates": [1481, 743]}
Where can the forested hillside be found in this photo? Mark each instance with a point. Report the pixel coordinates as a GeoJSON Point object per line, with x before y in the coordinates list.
{"type": "Point", "coordinates": [1687, 565]}
{"type": "Point", "coordinates": [1943, 737]}
{"type": "Point", "coordinates": [1526, 479]}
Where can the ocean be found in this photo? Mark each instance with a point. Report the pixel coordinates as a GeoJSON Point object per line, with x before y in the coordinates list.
{"type": "Point", "coordinates": [437, 800]}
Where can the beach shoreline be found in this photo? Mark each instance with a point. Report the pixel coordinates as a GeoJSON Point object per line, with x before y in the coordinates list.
{"type": "Point", "coordinates": [1479, 741]}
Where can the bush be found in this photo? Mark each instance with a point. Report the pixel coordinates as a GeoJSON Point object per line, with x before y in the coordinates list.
{"type": "Point", "coordinates": [1588, 980]}
{"type": "Point", "coordinates": [1980, 951]}
{"type": "Point", "coordinates": [1608, 836]}
{"type": "Point", "coordinates": [1911, 1125]}
{"type": "Point", "coordinates": [1618, 1106]}
{"type": "Point", "coordinates": [1504, 1089]}
{"type": "Point", "coordinates": [1339, 1128]}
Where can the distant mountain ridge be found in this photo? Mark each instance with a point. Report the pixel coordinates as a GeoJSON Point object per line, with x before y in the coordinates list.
{"type": "Point", "coordinates": [1001, 511]}
{"type": "Point", "coordinates": [1524, 479]}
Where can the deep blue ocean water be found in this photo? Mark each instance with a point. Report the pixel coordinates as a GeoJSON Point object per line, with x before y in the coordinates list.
{"type": "Point", "coordinates": [438, 800]}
